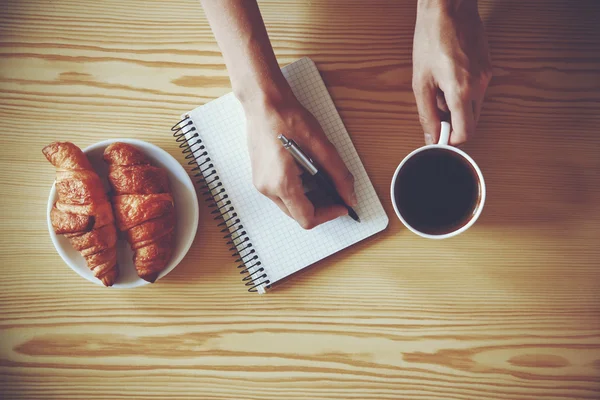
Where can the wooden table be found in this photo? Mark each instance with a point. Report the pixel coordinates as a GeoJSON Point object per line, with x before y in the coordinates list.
{"type": "Point", "coordinates": [509, 310]}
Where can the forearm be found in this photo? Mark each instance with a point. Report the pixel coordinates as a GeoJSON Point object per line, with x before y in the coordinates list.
{"type": "Point", "coordinates": [243, 40]}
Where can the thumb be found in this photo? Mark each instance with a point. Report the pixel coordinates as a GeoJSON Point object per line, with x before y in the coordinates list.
{"type": "Point", "coordinates": [426, 97]}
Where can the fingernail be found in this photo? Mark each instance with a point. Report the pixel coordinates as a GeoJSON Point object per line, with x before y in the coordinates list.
{"type": "Point", "coordinates": [428, 139]}
{"type": "Point", "coordinates": [353, 200]}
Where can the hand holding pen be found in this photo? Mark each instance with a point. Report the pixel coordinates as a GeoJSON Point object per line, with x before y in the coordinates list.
{"type": "Point", "coordinates": [277, 175]}
{"type": "Point", "coordinates": [313, 169]}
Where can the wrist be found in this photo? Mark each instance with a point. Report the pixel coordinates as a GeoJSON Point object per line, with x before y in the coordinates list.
{"type": "Point", "coordinates": [266, 92]}
{"type": "Point", "coordinates": [258, 79]}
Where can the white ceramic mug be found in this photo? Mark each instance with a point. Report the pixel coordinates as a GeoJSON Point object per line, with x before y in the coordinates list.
{"type": "Point", "coordinates": [443, 144]}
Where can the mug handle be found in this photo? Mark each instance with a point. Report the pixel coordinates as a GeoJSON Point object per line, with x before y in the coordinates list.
{"type": "Point", "coordinates": [444, 134]}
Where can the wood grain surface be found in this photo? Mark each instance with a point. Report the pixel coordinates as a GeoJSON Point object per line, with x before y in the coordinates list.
{"type": "Point", "coordinates": [509, 310]}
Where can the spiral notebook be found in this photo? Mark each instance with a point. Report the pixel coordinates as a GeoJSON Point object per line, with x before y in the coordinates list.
{"type": "Point", "coordinates": [267, 244]}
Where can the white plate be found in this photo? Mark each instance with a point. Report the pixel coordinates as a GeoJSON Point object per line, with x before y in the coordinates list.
{"type": "Point", "coordinates": [186, 209]}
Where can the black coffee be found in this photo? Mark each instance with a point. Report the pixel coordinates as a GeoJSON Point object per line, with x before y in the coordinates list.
{"type": "Point", "coordinates": [437, 191]}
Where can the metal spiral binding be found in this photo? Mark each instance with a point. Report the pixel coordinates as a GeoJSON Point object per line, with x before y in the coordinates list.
{"type": "Point", "coordinates": [214, 193]}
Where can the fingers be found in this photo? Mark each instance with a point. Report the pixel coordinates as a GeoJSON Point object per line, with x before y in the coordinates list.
{"type": "Point", "coordinates": [326, 156]}
{"type": "Point", "coordinates": [429, 116]}
{"type": "Point", "coordinates": [462, 114]}
{"type": "Point", "coordinates": [464, 103]}
{"type": "Point", "coordinates": [303, 211]}
{"type": "Point", "coordinates": [288, 194]}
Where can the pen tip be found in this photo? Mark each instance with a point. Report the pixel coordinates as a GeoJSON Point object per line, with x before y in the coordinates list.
{"type": "Point", "coordinates": [353, 214]}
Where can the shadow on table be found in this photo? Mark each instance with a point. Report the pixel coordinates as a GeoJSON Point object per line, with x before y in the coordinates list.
{"type": "Point", "coordinates": [537, 141]}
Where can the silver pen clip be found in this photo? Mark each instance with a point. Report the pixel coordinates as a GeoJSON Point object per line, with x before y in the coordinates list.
{"type": "Point", "coordinates": [301, 157]}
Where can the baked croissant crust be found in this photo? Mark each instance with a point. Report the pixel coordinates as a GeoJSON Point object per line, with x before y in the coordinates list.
{"type": "Point", "coordinates": [82, 212]}
{"type": "Point", "coordinates": [144, 207]}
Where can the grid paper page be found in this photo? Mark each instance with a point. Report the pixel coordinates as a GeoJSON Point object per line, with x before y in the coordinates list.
{"type": "Point", "coordinates": [282, 246]}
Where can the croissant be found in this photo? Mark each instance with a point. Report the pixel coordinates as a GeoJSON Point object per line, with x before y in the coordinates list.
{"type": "Point", "coordinates": [82, 212]}
{"type": "Point", "coordinates": [144, 207]}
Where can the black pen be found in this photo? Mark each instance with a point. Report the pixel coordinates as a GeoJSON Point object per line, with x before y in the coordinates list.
{"type": "Point", "coordinates": [311, 168]}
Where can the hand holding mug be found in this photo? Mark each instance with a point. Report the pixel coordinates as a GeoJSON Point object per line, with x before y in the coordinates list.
{"type": "Point", "coordinates": [451, 67]}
